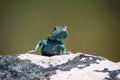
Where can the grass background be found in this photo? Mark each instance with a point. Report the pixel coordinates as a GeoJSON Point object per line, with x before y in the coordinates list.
{"type": "Point", "coordinates": [93, 25]}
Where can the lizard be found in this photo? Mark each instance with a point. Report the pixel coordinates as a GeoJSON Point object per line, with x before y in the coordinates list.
{"type": "Point", "coordinates": [53, 44]}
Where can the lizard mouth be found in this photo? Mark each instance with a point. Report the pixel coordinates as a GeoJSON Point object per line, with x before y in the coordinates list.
{"type": "Point", "coordinates": [64, 28]}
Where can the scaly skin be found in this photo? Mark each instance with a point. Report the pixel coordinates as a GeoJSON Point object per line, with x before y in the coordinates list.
{"type": "Point", "coordinates": [53, 44]}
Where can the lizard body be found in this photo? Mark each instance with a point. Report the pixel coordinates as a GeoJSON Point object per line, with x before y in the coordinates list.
{"type": "Point", "coordinates": [53, 44]}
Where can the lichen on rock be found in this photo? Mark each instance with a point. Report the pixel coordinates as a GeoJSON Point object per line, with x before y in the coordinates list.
{"type": "Point", "coordinates": [77, 66]}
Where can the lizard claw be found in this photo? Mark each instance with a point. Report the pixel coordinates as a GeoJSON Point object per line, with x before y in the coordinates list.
{"type": "Point", "coordinates": [31, 51]}
{"type": "Point", "coordinates": [69, 52]}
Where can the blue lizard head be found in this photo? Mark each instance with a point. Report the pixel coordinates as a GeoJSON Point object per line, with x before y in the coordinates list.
{"type": "Point", "coordinates": [58, 33]}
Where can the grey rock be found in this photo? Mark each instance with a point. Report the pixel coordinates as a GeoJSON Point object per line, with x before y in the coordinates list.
{"type": "Point", "coordinates": [77, 66]}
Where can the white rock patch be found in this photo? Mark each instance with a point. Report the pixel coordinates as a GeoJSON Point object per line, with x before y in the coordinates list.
{"type": "Point", "coordinates": [87, 73]}
{"type": "Point", "coordinates": [46, 61]}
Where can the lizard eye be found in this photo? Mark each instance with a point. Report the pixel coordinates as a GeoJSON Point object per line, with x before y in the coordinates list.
{"type": "Point", "coordinates": [55, 28]}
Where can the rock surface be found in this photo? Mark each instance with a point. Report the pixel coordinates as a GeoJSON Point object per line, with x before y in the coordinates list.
{"type": "Point", "coordinates": [77, 66]}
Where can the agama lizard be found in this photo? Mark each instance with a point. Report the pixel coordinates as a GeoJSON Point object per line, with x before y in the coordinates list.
{"type": "Point", "coordinates": [53, 44]}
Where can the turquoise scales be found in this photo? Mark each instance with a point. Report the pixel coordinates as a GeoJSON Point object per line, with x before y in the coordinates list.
{"type": "Point", "coordinates": [53, 44]}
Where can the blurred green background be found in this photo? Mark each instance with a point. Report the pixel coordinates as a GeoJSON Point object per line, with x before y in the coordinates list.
{"type": "Point", "coordinates": [93, 25]}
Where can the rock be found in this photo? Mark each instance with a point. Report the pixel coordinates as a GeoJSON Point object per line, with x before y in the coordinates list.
{"type": "Point", "coordinates": [77, 66]}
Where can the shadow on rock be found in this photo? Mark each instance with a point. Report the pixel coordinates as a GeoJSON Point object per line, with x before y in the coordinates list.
{"type": "Point", "coordinates": [111, 73]}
